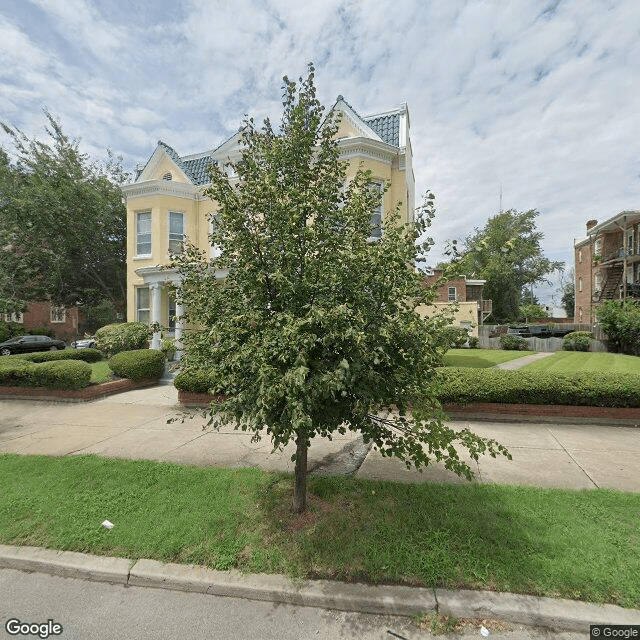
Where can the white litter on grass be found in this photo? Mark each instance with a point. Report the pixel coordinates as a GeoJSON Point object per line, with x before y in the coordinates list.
{"type": "Point", "coordinates": [484, 632]}
{"type": "Point", "coordinates": [107, 525]}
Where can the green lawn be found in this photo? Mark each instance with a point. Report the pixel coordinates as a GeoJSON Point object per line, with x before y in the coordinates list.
{"type": "Point", "coordinates": [100, 372]}
{"type": "Point", "coordinates": [573, 544]}
{"type": "Point", "coordinates": [574, 361]}
{"type": "Point", "coordinates": [480, 358]}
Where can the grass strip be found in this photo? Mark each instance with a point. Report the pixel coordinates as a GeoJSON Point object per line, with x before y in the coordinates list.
{"type": "Point", "coordinates": [480, 358]}
{"type": "Point", "coordinates": [576, 361]}
{"type": "Point", "coordinates": [100, 372]}
{"type": "Point", "coordinates": [574, 544]}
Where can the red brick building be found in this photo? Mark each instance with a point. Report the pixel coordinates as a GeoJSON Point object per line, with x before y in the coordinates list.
{"type": "Point", "coordinates": [38, 315]}
{"type": "Point", "coordinates": [607, 264]}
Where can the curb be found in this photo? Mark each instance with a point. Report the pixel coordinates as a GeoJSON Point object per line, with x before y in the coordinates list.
{"type": "Point", "coordinates": [567, 615]}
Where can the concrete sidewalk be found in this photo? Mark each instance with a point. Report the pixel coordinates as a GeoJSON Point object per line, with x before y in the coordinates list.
{"type": "Point", "coordinates": [134, 425]}
{"type": "Point", "coordinates": [518, 363]}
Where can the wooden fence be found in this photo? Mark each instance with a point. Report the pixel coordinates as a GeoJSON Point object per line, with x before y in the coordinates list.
{"type": "Point", "coordinates": [544, 344]}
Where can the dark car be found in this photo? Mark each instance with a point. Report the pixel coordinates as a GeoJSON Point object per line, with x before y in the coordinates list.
{"type": "Point", "coordinates": [25, 344]}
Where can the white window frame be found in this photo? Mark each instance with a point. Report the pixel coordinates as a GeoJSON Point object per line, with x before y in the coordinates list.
{"type": "Point", "coordinates": [57, 315]}
{"type": "Point", "coordinates": [455, 294]}
{"type": "Point", "coordinates": [138, 234]}
{"type": "Point", "coordinates": [177, 237]}
{"type": "Point", "coordinates": [143, 309]}
{"type": "Point", "coordinates": [16, 316]}
{"type": "Point", "coordinates": [579, 284]}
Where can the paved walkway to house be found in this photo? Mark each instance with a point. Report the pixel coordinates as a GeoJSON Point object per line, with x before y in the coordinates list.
{"type": "Point", "coordinates": [518, 363]}
{"type": "Point", "coordinates": [134, 425]}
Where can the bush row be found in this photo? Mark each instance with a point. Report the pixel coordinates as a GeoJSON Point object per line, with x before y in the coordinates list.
{"type": "Point", "coordinates": [60, 374]}
{"type": "Point", "coordinates": [88, 355]}
{"type": "Point", "coordinates": [462, 386]}
{"type": "Point", "coordinates": [138, 364]}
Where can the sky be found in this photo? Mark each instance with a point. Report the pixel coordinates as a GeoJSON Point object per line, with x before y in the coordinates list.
{"type": "Point", "coordinates": [536, 99]}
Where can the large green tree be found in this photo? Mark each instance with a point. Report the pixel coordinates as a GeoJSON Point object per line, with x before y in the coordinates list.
{"type": "Point", "coordinates": [62, 223]}
{"type": "Point", "coordinates": [507, 253]}
{"type": "Point", "coordinates": [309, 327]}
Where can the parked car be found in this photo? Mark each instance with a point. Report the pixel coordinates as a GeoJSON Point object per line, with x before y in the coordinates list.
{"type": "Point", "coordinates": [25, 344]}
{"type": "Point", "coordinates": [84, 343]}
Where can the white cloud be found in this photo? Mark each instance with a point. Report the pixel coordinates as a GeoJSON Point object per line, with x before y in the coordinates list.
{"type": "Point", "coordinates": [499, 93]}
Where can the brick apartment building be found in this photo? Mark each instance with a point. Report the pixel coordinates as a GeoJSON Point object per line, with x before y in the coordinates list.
{"type": "Point", "coordinates": [62, 322]}
{"type": "Point", "coordinates": [473, 309]}
{"type": "Point", "coordinates": [607, 264]}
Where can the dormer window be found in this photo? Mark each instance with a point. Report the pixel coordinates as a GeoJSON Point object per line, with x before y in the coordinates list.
{"type": "Point", "coordinates": [167, 176]}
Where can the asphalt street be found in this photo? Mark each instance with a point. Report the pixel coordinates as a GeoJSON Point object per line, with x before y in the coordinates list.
{"type": "Point", "coordinates": [99, 611]}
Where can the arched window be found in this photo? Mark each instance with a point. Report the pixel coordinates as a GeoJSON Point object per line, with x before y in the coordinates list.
{"type": "Point", "coordinates": [167, 176]}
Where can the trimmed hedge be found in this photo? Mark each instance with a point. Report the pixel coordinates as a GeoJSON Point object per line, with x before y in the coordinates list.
{"type": "Point", "coordinates": [138, 364]}
{"type": "Point", "coordinates": [125, 336]}
{"type": "Point", "coordinates": [88, 355]}
{"type": "Point", "coordinates": [60, 374]}
{"type": "Point", "coordinates": [513, 343]}
{"type": "Point", "coordinates": [463, 386]}
{"type": "Point", "coordinates": [194, 381]}
{"type": "Point", "coordinates": [577, 341]}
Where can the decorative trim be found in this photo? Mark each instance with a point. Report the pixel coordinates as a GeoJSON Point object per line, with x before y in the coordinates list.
{"type": "Point", "coordinates": [160, 187]}
{"type": "Point", "coordinates": [354, 147]}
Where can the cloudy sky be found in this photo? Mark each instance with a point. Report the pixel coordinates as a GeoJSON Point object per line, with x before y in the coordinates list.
{"type": "Point", "coordinates": [538, 97]}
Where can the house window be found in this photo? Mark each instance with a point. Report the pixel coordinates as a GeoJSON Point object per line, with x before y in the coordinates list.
{"type": "Point", "coordinates": [598, 246]}
{"type": "Point", "coordinates": [452, 294]}
{"type": "Point", "coordinates": [580, 314]}
{"type": "Point", "coordinates": [580, 255]}
{"type": "Point", "coordinates": [167, 176]}
{"type": "Point", "coordinates": [143, 233]}
{"type": "Point", "coordinates": [630, 243]}
{"type": "Point", "coordinates": [376, 216]}
{"type": "Point", "coordinates": [142, 304]}
{"type": "Point", "coordinates": [176, 231]}
{"type": "Point", "coordinates": [579, 284]}
{"type": "Point", "coordinates": [16, 316]}
{"type": "Point", "coordinates": [58, 314]}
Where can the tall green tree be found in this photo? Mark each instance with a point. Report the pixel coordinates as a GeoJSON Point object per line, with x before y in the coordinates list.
{"type": "Point", "coordinates": [313, 327]}
{"type": "Point", "coordinates": [507, 253]}
{"type": "Point", "coordinates": [62, 222]}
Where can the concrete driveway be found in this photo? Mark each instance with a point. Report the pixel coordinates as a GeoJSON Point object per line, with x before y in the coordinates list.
{"type": "Point", "coordinates": [134, 425]}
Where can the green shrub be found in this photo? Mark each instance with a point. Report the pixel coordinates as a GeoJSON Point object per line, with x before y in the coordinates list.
{"type": "Point", "coordinates": [462, 386]}
{"type": "Point", "coordinates": [456, 337]}
{"type": "Point", "coordinates": [195, 381]}
{"type": "Point", "coordinates": [10, 330]}
{"type": "Point", "coordinates": [88, 355]}
{"type": "Point", "coordinates": [138, 364]}
{"type": "Point", "coordinates": [61, 374]}
{"type": "Point", "coordinates": [474, 341]}
{"type": "Point", "coordinates": [126, 336]}
{"type": "Point", "coordinates": [168, 347]}
{"type": "Point", "coordinates": [577, 341]}
{"type": "Point", "coordinates": [513, 343]}
{"type": "Point", "coordinates": [621, 322]}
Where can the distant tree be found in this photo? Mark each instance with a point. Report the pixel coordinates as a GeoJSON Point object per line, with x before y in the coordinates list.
{"type": "Point", "coordinates": [507, 254]}
{"type": "Point", "coordinates": [568, 291]}
{"type": "Point", "coordinates": [62, 223]}
{"type": "Point", "coordinates": [530, 312]}
{"type": "Point", "coordinates": [313, 330]}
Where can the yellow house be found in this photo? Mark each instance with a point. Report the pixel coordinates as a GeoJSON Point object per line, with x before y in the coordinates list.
{"type": "Point", "coordinates": [165, 204]}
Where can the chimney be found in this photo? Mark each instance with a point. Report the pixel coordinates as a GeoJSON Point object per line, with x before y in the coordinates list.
{"type": "Point", "coordinates": [591, 224]}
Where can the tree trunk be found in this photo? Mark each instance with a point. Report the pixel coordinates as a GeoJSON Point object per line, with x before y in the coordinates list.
{"type": "Point", "coordinates": [300, 486]}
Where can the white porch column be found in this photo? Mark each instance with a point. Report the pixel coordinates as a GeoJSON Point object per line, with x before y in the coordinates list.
{"type": "Point", "coordinates": [180, 325]}
{"type": "Point", "coordinates": [155, 314]}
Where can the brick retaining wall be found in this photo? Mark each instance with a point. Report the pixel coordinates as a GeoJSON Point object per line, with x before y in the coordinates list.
{"type": "Point", "coordinates": [71, 395]}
